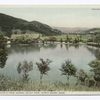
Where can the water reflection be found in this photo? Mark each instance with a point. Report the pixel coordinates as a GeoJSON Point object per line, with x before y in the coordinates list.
{"type": "Point", "coordinates": [94, 51]}
{"type": "Point", "coordinates": [80, 56]}
{"type": "Point", "coordinates": [70, 45]}
{"type": "Point", "coordinates": [24, 48]}
{"type": "Point", "coordinates": [50, 45]}
{"type": "Point", "coordinates": [30, 48]}
{"type": "Point", "coordinates": [76, 46]}
{"type": "Point", "coordinates": [61, 45]}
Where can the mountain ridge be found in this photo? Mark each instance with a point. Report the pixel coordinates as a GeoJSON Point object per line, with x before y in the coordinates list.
{"type": "Point", "coordinates": [72, 29]}
{"type": "Point", "coordinates": [9, 23]}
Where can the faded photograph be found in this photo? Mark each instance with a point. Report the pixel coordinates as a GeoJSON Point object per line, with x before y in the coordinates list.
{"type": "Point", "coordinates": [50, 48]}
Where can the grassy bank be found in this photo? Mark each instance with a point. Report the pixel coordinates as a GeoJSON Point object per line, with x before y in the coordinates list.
{"type": "Point", "coordinates": [7, 84]}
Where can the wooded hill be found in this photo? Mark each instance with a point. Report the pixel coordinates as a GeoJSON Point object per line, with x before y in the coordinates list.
{"type": "Point", "coordinates": [9, 23]}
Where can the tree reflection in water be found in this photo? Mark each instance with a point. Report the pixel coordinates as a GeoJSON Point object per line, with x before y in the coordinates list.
{"type": "Point", "coordinates": [25, 48]}
{"type": "Point", "coordinates": [50, 45]}
{"type": "Point", "coordinates": [76, 46]}
{"type": "Point", "coordinates": [61, 45]}
{"type": "Point", "coordinates": [95, 52]}
{"type": "Point", "coordinates": [72, 45]}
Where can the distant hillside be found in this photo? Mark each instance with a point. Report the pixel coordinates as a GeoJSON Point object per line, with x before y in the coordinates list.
{"type": "Point", "coordinates": [9, 23]}
{"type": "Point", "coordinates": [72, 29]}
{"type": "Point", "coordinates": [93, 31]}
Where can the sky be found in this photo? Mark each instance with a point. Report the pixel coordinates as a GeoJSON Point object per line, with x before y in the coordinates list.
{"type": "Point", "coordinates": [57, 15]}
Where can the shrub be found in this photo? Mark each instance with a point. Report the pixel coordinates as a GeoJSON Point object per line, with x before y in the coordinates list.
{"type": "Point", "coordinates": [68, 69]}
{"type": "Point", "coordinates": [25, 68]}
{"type": "Point", "coordinates": [43, 67]}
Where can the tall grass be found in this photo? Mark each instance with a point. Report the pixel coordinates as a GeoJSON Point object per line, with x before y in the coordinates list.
{"type": "Point", "coordinates": [7, 84]}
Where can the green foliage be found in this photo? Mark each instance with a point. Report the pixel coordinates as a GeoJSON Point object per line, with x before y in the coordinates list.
{"type": "Point", "coordinates": [61, 40]}
{"type": "Point", "coordinates": [96, 69]}
{"type": "Point", "coordinates": [3, 57]}
{"type": "Point", "coordinates": [9, 23]}
{"type": "Point", "coordinates": [7, 84]}
{"type": "Point", "coordinates": [25, 68]}
{"type": "Point", "coordinates": [52, 39]}
{"type": "Point", "coordinates": [43, 67]}
{"type": "Point", "coordinates": [68, 69]}
{"type": "Point", "coordinates": [95, 64]}
{"type": "Point", "coordinates": [77, 39]}
{"type": "Point", "coordinates": [67, 39]}
{"type": "Point", "coordinates": [2, 40]}
{"type": "Point", "coordinates": [3, 51]}
{"type": "Point", "coordinates": [97, 38]}
{"type": "Point", "coordinates": [81, 77]}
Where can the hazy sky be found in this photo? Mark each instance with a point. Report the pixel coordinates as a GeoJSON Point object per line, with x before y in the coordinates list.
{"type": "Point", "coordinates": [60, 16]}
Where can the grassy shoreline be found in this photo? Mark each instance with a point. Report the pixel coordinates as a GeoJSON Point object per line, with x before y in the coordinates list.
{"type": "Point", "coordinates": [7, 84]}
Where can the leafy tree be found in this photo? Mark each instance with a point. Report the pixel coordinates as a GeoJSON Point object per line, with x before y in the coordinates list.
{"type": "Point", "coordinates": [67, 39]}
{"type": "Point", "coordinates": [61, 40]}
{"type": "Point", "coordinates": [3, 57]}
{"type": "Point", "coordinates": [96, 69]}
{"type": "Point", "coordinates": [2, 41]}
{"type": "Point", "coordinates": [76, 40]}
{"type": "Point", "coordinates": [85, 79]}
{"type": "Point", "coordinates": [95, 64]}
{"type": "Point", "coordinates": [25, 68]}
{"type": "Point", "coordinates": [81, 77]}
{"type": "Point", "coordinates": [3, 51]}
{"type": "Point", "coordinates": [43, 67]}
{"type": "Point", "coordinates": [52, 39]}
{"type": "Point", "coordinates": [68, 69]}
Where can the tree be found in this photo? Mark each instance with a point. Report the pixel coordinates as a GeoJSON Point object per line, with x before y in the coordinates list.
{"type": "Point", "coordinates": [2, 41]}
{"type": "Point", "coordinates": [67, 39]}
{"type": "Point", "coordinates": [43, 67]}
{"type": "Point", "coordinates": [96, 38]}
{"type": "Point", "coordinates": [52, 39]}
{"type": "Point", "coordinates": [81, 77]}
{"type": "Point", "coordinates": [68, 69]}
{"type": "Point", "coordinates": [76, 40]}
{"type": "Point", "coordinates": [3, 57]}
{"type": "Point", "coordinates": [25, 68]}
{"type": "Point", "coordinates": [95, 64]}
{"type": "Point", "coordinates": [3, 51]}
{"type": "Point", "coordinates": [96, 69]}
{"type": "Point", "coordinates": [61, 40]}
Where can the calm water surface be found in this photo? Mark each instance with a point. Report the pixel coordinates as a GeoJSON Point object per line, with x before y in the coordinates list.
{"type": "Point", "coordinates": [79, 55]}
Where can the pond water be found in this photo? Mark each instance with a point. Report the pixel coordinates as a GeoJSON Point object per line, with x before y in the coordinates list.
{"type": "Point", "coordinates": [80, 55]}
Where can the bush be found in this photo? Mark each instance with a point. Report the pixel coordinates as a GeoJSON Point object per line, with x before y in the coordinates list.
{"type": "Point", "coordinates": [25, 68]}
{"type": "Point", "coordinates": [96, 69]}
{"type": "Point", "coordinates": [43, 67]}
{"type": "Point", "coordinates": [68, 69]}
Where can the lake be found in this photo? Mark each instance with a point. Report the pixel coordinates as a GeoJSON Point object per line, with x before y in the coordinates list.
{"type": "Point", "coordinates": [80, 55]}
